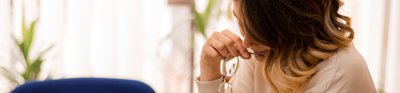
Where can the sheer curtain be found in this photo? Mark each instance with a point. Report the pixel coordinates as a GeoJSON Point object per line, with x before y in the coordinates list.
{"type": "Point", "coordinates": [111, 38]}
{"type": "Point", "coordinates": [103, 38]}
{"type": "Point", "coordinates": [377, 27]}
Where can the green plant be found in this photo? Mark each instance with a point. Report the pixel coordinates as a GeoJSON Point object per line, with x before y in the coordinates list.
{"type": "Point", "coordinates": [32, 67]}
{"type": "Point", "coordinates": [201, 19]}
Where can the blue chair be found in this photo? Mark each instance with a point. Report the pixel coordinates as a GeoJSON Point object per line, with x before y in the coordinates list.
{"type": "Point", "coordinates": [84, 85]}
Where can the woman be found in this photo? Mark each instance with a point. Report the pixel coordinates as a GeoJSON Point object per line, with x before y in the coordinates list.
{"type": "Point", "coordinates": [299, 46]}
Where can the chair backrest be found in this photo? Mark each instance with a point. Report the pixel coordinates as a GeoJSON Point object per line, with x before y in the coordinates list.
{"type": "Point", "coordinates": [85, 85]}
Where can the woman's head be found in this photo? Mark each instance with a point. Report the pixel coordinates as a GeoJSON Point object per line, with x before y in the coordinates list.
{"type": "Point", "coordinates": [299, 33]}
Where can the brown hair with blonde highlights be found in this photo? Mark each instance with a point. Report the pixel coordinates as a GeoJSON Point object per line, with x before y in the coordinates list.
{"type": "Point", "coordinates": [301, 34]}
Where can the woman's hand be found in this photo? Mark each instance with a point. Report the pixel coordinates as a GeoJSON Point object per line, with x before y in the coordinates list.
{"type": "Point", "coordinates": [218, 46]}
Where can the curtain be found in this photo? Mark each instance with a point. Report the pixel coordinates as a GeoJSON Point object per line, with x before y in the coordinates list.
{"type": "Point", "coordinates": [104, 38]}
{"type": "Point", "coordinates": [376, 24]}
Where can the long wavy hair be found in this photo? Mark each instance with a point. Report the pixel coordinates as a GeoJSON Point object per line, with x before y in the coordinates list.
{"type": "Point", "coordinates": [300, 33]}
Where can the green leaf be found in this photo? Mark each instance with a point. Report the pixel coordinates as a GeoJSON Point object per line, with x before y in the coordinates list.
{"type": "Point", "coordinates": [25, 35]}
{"type": "Point", "coordinates": [27, 74]}
{"type": "Point", "coordinates": [208, 11]}
{"type": "Point", "coordinates": [200, 25]}
{"type": "Point", "coordinates": [36, 68]}
{"type": "Point", "coordinates": [33, 70]}
{"type": "Point", "coordinates": [31, 34]}
{"type": "Point", "coordinates": [28, 33]}
{"type": "Point", "coordinates": [201, 20]}
{"type": "Point", "coordinates": [24, 44]}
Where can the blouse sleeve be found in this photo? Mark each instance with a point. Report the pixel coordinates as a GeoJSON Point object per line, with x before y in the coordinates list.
{"type": "Point", "coordinates": [242, 82]}
{"type": "Point", "coordinates": [208, 86]}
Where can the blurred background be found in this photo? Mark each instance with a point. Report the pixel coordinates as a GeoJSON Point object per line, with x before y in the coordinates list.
{"type": "Point", "coordinates": [155, 41]}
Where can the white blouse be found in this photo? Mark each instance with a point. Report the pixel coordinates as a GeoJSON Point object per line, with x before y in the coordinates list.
{"type": "Point", "coordinates": [344, 72]}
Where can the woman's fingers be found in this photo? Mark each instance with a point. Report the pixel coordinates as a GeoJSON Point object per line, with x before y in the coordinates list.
{"type": "Point", "coordinates": [223, 44]}
{"type": "Point", "coordinates": [212, 53]}
{"type": "Point", "coordinates": [238, 42]}
{"type": "Point", "coordinates": [229, 44]}
{"type": "Point", "coordinates": [218, 45]}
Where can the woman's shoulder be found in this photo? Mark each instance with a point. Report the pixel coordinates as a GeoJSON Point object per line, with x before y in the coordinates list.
{"type": "Point", "coordinates": [346, 71]}
{"type": "Point", "coordinates": [348, 58]}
